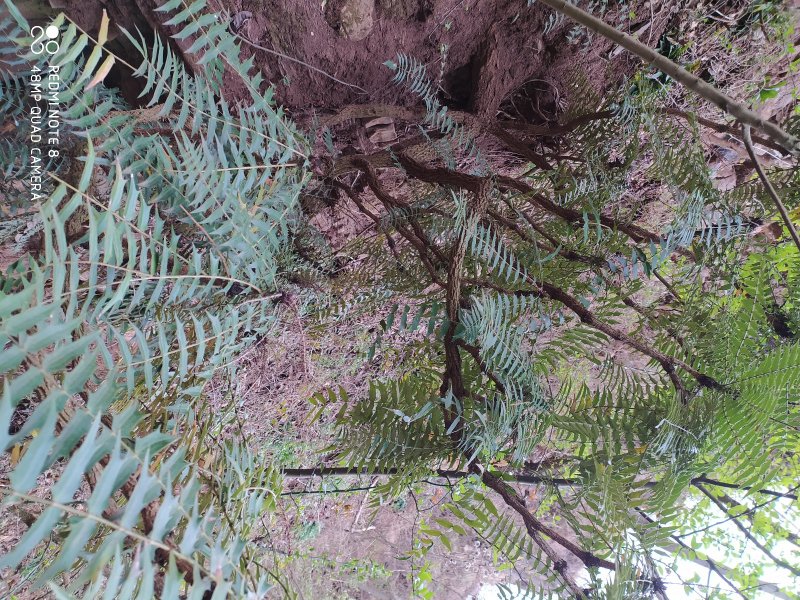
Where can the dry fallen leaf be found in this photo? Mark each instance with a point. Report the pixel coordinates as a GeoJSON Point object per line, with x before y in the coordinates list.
{"type": "Point", "coordinates": [102, 72]}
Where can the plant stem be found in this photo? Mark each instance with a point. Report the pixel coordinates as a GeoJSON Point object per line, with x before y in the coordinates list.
{"type": "Point", "coordinates": [748, 142]}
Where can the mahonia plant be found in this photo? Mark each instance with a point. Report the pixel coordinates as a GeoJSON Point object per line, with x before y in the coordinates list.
{"type": "Point", "coordinates": [655, 367]}
{"type": "Point", "coordinates": [154, 261]}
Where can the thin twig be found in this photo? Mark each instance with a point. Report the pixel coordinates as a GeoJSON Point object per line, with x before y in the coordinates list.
{"type": "Point", "coordinates": [720, 127]}
{"type": "Point", "coordinates": [518, 477]}
{"type": "Point", "coordinates": [733, 486]}
{"type": "Point", "coordinates": [361, 508]}
{"type": "Point", "coordinates": [787, 220]}
{"type": "Point", "coordinates": [711, 564]}
{"type": "Point", "coordinates": [767, 552]}
{"type": "Point", "coordinates": [748, 513]}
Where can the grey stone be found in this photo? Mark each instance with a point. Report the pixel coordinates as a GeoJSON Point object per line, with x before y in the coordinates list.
{"type": "Point", "coordinates": [356, 18]}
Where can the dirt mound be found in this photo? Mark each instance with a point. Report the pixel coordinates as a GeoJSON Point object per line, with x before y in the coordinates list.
{"type": "Point", "coordinates": [325, 55]}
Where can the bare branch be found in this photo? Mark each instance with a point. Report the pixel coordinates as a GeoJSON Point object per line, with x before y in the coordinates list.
{"type": "Point", "coordinates": [787, 220]}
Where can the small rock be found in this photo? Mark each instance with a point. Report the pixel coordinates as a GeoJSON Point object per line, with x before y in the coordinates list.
{"type": "Point", "coordinates": [381, 130]}
{"type": "Point", "coordinates": [240, 19]}
{"type": "Point", "coordinates": [356, 19]}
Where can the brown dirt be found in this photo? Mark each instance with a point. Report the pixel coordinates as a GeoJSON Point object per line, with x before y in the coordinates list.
{"type": "Point", "coordinates": [384, 534]}
{"type": "Point", "coordinates": [492, 47]}
{"type": "Point", "coordinates": [480, 51]}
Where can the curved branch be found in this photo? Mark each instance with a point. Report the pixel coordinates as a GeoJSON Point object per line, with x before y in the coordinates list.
{"type": "Point", "coordinates": [668, 363]}
{"type": "Point", "coordinates": [513, 500]}
{"type": "Point", "coordinates": [442, 176]}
